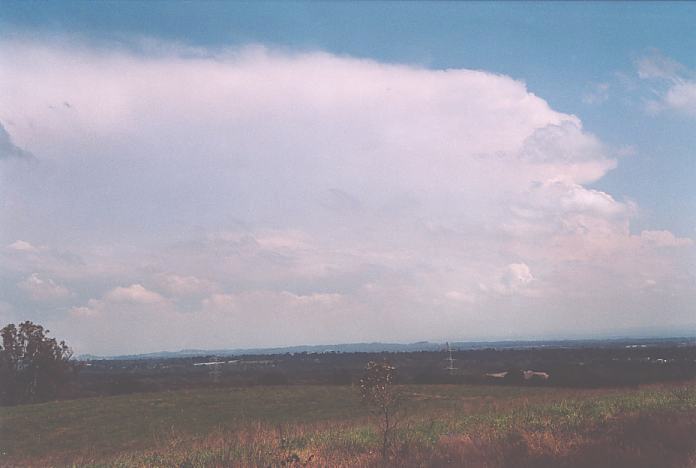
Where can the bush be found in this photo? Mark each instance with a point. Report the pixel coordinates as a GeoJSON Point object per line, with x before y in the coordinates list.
{"type": "Point", "coordinates": [378, 391]}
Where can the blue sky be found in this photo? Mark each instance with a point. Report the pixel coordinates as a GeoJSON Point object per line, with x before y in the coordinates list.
{"type": "Point", "coordinates": [149, 149]}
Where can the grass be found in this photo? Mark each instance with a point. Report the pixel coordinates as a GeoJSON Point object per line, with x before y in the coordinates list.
{"type": "Point", "coordinates": [270, 425]}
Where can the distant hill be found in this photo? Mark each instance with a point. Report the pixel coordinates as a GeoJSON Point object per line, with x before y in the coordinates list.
{"type": "Point", "coordinates": [404, 347]}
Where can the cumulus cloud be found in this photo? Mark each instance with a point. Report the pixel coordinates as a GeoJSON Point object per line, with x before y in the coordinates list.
{"type": "Point", "coordinates": [185, 285]}
{"type": "Point", "coordinates": [682, 97]}
{"type": "Point", "coordinates": [516, 275]}
{"type": "Point", "coordinates": [515, 278]}
{"type": "Point", "coordinates": [22, 246]}
{"type": "Point", "coordinates": [43, 289]}
{"type": "Point", "coordinates": [219, 301]}
{"type": "Point", "coordinates": [286, 198]}
{"type": "Point", "coordinates": [123, 304]}
{"type": "Point", "coordinates": [664, 239]}
{"type": "Point", "coordinates": [134, 293]}
{"type": "Point", "coordinates": [91, 309]}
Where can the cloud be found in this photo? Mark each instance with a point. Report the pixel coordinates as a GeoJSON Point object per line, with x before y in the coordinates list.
{"type": "Point", "coordinates": [40, 289]}
{"type": "Point", "coordinates": [515, 278]}
{"type": "Point", "coordinates": [219, 301]}
{"type": "Point", "coordinates": [664, 239]}
{"type": "Point", "coordinates": [223, 319]}
{"type": "Point", "coordinates": [185, 285]}
{"type": "Point", "coordinates": [682, 97]}
{"type": "Point", "coordinates": [8, 149]}
{"type": "Point", "coordinates": [134, 293]}
{"type": "Point", "coordinates": [517, 274]}
{"type": "Point", "coordinates": [675, 83]}
{"type": "Point", "coordinates": [257, 197]}
{"type": "Point", "coordinates": [91, 309]}
{"type": "Point", "coordinates": [22, 246]}
{"type": "Point", "coordinates": [460, 296]}
{"type": "Point", "coordinates": [656, 65]}
{"type": "Point", "coordinates": [598, 94]}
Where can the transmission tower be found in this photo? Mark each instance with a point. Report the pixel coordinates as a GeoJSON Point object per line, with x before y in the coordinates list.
{"type": "Point", "coordinates": [450, 360]}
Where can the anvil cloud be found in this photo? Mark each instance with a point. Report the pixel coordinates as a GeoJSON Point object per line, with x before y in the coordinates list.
{"type": "Point", "coordinates": [182, 198]}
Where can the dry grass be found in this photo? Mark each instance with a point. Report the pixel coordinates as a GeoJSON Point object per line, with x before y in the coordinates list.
{"type": "Point", "coordinates": [661, 439]}
{"type": "Point", "coordinates": [443, 426]}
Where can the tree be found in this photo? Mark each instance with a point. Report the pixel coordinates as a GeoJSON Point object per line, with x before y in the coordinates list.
{"type": "Point", "coordinates": [33, 367]}
{"type": "Point", "coordinates": [377, 390]}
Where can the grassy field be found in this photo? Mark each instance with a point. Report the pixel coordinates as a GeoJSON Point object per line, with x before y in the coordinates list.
{"type": "Point", "coordinates": [439, 425]}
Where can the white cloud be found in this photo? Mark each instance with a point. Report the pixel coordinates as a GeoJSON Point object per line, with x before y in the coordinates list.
{"type": "Point", "coordinates": [22, 246]}
{"type": "Point", "coordinates": [580, 199]}
{"type": "Point", "coordinates": [91, 309]}
{"type": "Point", "coordinates": [134, 293]}
{"type": "Point", "coordinates": [664, 239]}
{"type": "Point", "coordinates": [460, 296]}
{"type": "Point", "coordinates": [185, 285]}
{"type": "Point", "coordinates": [675, 84]}
{"type": "Point", "coordinates": [255, 197]}
{"type": "Point", "coordinates": [682, 97]}
{"type": "Point", "coordinates": [41, 289]}
{"type": "Point", "coordinates": [221, 320]}
{"type": "Point", "coordinates": [219, 301]}
{"type": "Point", "coordinates": [515, 278]}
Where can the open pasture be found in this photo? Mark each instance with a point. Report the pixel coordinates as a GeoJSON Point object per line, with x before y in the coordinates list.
{"type": "Point", "coordinates": [327, 425]}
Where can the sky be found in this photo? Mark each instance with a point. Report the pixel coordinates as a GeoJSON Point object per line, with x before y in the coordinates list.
{"type": "Point", "coordinates": [226, 175]}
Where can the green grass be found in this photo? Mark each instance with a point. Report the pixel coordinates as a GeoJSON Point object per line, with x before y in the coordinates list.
{"type": "Point", "coordinates": [109, 424]}
{"type": "Point", "coordinates": [297, 419]}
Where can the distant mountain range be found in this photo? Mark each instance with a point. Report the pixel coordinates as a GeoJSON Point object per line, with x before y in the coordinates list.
{"type": "Point", "coordinates": [401, 347]}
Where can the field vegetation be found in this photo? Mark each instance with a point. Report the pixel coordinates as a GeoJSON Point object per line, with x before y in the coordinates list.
{"type": "Point", "coordinates": [313, 425]}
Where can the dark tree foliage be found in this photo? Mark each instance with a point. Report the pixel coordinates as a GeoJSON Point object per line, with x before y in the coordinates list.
{"type": "Point", "coordinates": [33, 367]}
